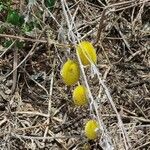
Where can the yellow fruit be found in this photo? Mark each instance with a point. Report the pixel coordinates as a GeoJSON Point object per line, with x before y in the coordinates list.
{"type": "Point", "coordinates": [86, 51]}
{"type": "Point", "coordinates": [90, 129]}
{"type": "Point", "coordinates": [70, 72]}
{"type": "Point", "coordinates": [80, 95]}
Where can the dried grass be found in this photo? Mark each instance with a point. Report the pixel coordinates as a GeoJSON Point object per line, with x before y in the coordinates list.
{"type": "Point", "coordinates": [36, 109]}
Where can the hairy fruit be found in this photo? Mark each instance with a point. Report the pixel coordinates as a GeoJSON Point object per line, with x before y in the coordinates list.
{"type": "Point", "coordinates": [87, 52]}
{"type": "Point", "coordinates": [70, 72]}
{"type": "Point", "coordinates": [80, 95]}
{"type": "Point", "coordinates": [90, 129]}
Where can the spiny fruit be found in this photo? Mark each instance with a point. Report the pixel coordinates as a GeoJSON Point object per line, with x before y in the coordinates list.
{"type": "Point", "coordinates": [90, 129]}
{"type": "Point", "coordinates": [80, 95]}
{"type": "Point", "coordinates": [86, 52]}
{"type": "Point", "coordinates": [70, 72]}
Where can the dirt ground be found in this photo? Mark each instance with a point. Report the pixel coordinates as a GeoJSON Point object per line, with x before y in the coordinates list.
{"type": "Point", "coordinates": [36, 107]}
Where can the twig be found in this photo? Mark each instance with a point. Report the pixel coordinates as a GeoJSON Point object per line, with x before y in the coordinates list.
{"type": "Point", "coordinates": [27, 56]}
{"type": "Point", "coordinates": [123, 38]}
{"type": "Point", "coordinates": [8, 48]}
{"type": "Point", "coordinates": [41, 138]}
{"type": "Point", "coordinates": [31, 40]}
{"type": "Point", "coordinates": [22, 38]}
{"type": "Point", "coordinates": [134, 54]}
{"type": "Point", "coordinates": [30, 113]}
{"type": "Point", "coordinates": [101, 25]}
{"type": "Point", "coordinates": [142, 146]}
{"type": "Point", "coordinates": [15, 72]}
{"type": "Point", "coordinates": [49, 99]}
{"type": "Point", "coordinates": [42, 87]}
{"type": "Point", "coordinates": [3, 121]}
{"type": "Point", "coordinates": [135, 84]}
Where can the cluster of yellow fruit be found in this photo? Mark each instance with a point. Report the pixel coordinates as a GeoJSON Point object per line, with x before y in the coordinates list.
{"type": "Point", "coordinates": [71, 73]}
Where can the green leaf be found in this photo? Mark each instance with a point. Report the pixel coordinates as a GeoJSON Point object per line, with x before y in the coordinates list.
{"type": "Point", "coordinates": [19, 44]}
{"type": "Point", "coordinates": [29, 26]}
{"type": "Point", "coordinates": [1, 7]}
{"type": "Point", "coordinates": [7, 43]}
{"type": "Point", "coordinates": [14, 18]}
{"type": "Point", "coordinates": [49, 3]}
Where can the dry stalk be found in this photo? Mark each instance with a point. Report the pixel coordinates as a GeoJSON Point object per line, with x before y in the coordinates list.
{"type": "Point", "coordinates": [107, 140]}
